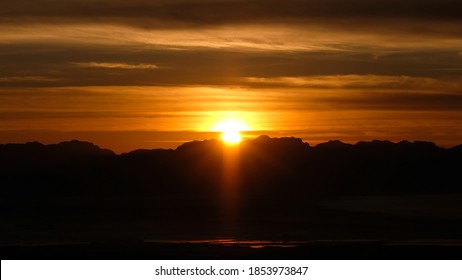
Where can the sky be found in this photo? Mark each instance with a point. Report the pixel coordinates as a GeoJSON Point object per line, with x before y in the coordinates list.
{"type": "Point", "coordinates": [157, 73]}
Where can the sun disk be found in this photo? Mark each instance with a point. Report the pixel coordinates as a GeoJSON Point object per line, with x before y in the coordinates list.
{"type": "Point", "coordinates": [231, 136]}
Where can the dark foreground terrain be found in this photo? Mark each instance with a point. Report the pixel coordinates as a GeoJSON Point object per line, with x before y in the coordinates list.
{"type": "Point", "coordinates": [269, 198]}
{"type": "Point", "coordinates": [160, 251]}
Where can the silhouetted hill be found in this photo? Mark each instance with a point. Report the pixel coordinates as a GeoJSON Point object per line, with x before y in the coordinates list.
{"type": "Point", "coordinates": [457, 149]}
{"type": "Point", "coordinates": [275, 187]}
{"type": "Point", "coordinates": [78, 148]}
{"type": "Point", "coordinates": [334, 145]}
{"type": "Point", "coordinates": [287, 147]}
{"type": "Point", "coordinates": [35, 151]}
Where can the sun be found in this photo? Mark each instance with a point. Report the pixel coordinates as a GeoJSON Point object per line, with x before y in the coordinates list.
{"type": "Point", "coordinates": [231, 129]}
{"type": "Point", "coordinates": [231, 136]}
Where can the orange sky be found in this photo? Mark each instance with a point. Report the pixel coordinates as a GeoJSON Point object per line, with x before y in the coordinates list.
{"type": "Point", "coordinates": [154, 74]}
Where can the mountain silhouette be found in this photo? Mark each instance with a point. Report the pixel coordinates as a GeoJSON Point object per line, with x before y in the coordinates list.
{"type": "Point", "coordinates": [276, 164]}
{"type": "Point", "coordinates": [280, 188]}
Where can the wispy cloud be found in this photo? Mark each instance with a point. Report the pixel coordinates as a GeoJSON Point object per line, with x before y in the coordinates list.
{"type": "Point", "coordinates": [359, 81]}
{"type": "Point", "coordinates": [115, 65]}
{"type": "Point", "coordinates": [13, 79]}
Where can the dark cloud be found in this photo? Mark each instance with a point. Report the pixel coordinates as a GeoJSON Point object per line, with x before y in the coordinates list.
{"type": "Point", "coordinates": [394, 18]}
{"type": "Point", "coordinates": [397, 101]}
{"type": "Point", "coordinates": [152, 13]}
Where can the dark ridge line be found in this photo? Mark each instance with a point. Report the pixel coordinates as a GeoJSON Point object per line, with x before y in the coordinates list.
{"type": "Point", "coordinates": [262, 139]}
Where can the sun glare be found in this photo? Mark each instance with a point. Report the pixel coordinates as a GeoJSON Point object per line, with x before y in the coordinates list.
{"type": "Point", "coordinates": [231, 136]}
{"type": "Point", "coordinates": [231, 130]}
